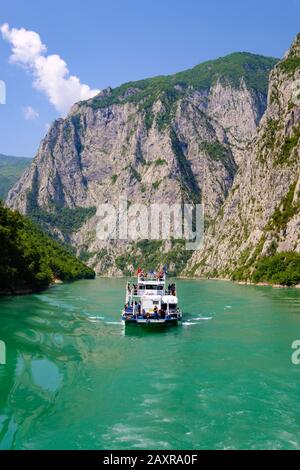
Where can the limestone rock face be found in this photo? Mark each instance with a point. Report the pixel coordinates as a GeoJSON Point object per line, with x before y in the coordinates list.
{"type": "Point", "coordinates": [168, 139]}
{"type": "Point", "coordinates": [262, 213]}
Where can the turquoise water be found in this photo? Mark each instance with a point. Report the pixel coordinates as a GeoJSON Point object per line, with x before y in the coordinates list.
{"type": "Point", "coordinates": [75, 379]}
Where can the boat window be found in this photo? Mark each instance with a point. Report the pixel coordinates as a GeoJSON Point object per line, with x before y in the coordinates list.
{"type": "Point", "coordinates": [155, 302]}
{"type": "Point", "coordinates": [172, 306]}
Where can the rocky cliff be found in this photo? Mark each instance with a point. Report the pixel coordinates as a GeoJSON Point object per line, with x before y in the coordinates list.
{"type": "Point", "coordinates": [167, 139]}
{"type": "Point", "coordinates": [261, 217]}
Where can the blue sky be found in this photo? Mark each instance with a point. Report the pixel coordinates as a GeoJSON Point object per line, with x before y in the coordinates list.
{"type": "Point", "coordinates": [110, 42]}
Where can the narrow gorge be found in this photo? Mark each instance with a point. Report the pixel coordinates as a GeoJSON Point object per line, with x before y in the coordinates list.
{"type": "Point", "coordinates": [178, 138]}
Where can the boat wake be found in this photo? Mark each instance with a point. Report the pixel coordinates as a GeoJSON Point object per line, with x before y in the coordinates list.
{"type": "Point", "coordinates": [203, 318]}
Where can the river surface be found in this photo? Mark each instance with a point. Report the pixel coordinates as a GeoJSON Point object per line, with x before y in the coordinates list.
{"type": "Point", "coordinates": [75, 379]}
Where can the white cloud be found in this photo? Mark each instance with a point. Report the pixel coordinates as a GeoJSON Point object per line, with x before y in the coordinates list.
{"type": "Point", "coordinates": [50, 72]}
{"type": "Point", "coordinates": [30, 114]}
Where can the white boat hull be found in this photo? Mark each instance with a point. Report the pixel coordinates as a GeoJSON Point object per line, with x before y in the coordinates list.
{"type": "Point", "coordinates": [151, 321]}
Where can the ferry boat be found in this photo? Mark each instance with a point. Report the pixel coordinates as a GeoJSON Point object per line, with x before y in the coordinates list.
{"type": "Point", "coordinates": [150, 302]}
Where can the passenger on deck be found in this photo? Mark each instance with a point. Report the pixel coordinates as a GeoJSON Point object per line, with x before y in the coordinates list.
{"type": "Point", "coordinates": [156, 312]}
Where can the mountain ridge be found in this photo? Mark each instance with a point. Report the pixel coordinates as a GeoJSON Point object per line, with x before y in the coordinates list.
{"type": "Point", "coordinates": [179, 138]}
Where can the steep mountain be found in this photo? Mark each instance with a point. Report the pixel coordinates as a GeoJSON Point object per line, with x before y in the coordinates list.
{"type": "Point", "coordinates": [166, 139]}
{"type": "Point", "coordinates": [11, 168]}
{"type": "Point", "coordinates": [256, 235]}
{"type": "Point", "coordinates": [31, 260]}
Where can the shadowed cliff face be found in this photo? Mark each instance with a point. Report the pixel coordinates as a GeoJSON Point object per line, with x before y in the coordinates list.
{"type": "Point", "coordinates": [168, 139]}
{"type": "Point", "coordinates": [261, 216]}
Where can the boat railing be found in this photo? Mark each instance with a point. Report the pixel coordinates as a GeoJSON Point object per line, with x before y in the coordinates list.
{"type": "Point", "coordinates": [139, 292]}
{"type": "Point", "coordinates": [151, 277]}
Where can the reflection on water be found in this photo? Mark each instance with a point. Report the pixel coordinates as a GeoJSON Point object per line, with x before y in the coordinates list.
{"type": "Point", "coordinates": [77, 378]}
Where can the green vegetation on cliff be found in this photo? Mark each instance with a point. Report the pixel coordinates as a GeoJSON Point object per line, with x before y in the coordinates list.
{"type": "Point", "coordinates": [281, 268]}
{"type": "Point", "coordinates": [290, 65]}
{"type": "Point", "coordinates": [253, 69]}
{"type": "Point", "coordinates": [30, 260]}
{"type": "Point", "coordinates": [67, 220]}
{"type": "Point", "coordinates": [11, 168]}
{"type": "Point", "coordinates": [151, 254]}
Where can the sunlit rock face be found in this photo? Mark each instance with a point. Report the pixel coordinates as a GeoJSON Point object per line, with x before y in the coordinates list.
{"type": "Point", "coordinates": [262, 213]}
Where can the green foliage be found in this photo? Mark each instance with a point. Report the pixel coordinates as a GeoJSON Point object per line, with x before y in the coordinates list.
{"type": "Point", "coordinates": [85, 255]}
{"type": "Point", "coordinates": [220, 152]}
{"type": "Point", "coordinates": [160, 162]}
{"type": "Point", "coordinates": [30, 260]}
{"type": "Point", "coordinates": [156, 184]}
{"type": "Point", "coordinates": [101, 254]}
{"type": "Point", "coordinates": [11, 169]}
{"type": "Point", "coordinates": [105, 258]}
{"type": "Point", "coordinates": [284, 212]}
{"type": "Point", "coordinates": [269, 136]}
{"type": "Point", "coordinates": [65, 219]}
{"type": "Point", "coordinates": [290, 65]}
{"type": "Point", "coordinates": [114, 178]}
{"type": "Point", "coordinates": [288, 146]}
{"type": "Point", "coordinates": [255, 267]}
{"type": "Point", "coordinates": [231, 69]}
{"type": "Point", "coordinates": [254, 69]}
{"type": "Point", "coordinates": [281, 268]}
{"type": "Point", "coordinates": [150, 254]}
{"type": "Point", "coordinates": [168, 99]}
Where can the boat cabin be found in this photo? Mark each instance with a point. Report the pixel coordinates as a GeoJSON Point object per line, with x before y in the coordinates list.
{"type": "Point", "coordinates": [150, 300]}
